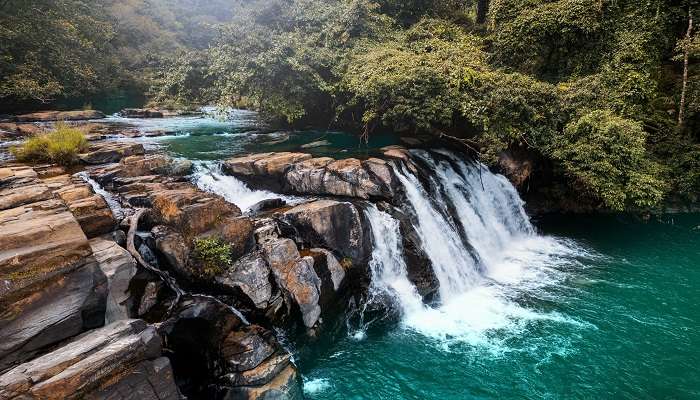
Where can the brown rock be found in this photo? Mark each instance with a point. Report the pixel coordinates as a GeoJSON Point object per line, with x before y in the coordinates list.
{"type": "Point", "coordinates": [47, 116]}
{"type": "Point", "coordinates": [331, 224]}
{"type": "Point", "coordinates": [120, 361]}
{"type": "Point", "coordinates": [110, 152]}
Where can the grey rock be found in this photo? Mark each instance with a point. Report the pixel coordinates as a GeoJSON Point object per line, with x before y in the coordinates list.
{"type": "Point", "coordinates": [119, 267]}
{"type": "Point", "coordinates": [251, 275]}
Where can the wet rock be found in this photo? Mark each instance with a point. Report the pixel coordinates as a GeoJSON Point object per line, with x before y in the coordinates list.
{"type": "Point", "coordinates": [141, 113]}
{"type": "Point", "coordinates": [51, 286]}
{"type": "Point", "coordinates": [397, 152]}
{"type": "Point", "coordinates": [266, 205]}
{"type": "Point", "coordinates": [251, 275]}
{"type": "Point", "coordinates": [47, 116]}
{"type": "Point", "coordinates": [284, 386]}
{"type": "Point", "coordinates": [296, 276]}
{"type": "Point", "coordinates": [119, 267]}
{"type": "Point", "coordinates": [331, 224]}
{"type": "Point", "coordinates": [120, 361]}
{"type": "Point", "coordinates": [246, 349]}
{"type": "Point", "coordinates": [149, 299]}
{"type": "Point", "coordinates": [110, 152]}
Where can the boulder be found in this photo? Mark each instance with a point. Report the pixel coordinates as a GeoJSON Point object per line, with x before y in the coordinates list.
{"type": "Point", "coordinates": [333, 225]}
{"type": "Point", "coordinates": [264, 169]}
{"type": "Point", "coordinates": [174, 247]}
{"type": "Point", "coordinates": [51, 286]}
{"type": "Point", "coordinates": [120, 361]}
{"type": "Point", "coordinates": [141, 113]}
{"type": "Point", "coordinates": [110, 152]}
{"type": "Point", "coordinates": [48, 116]}
{"type": "Point", "coordinates": [266, 205]}
{"type": "Point", "coordinates": [119, 267]}
{"type": "Point", "coordinates": [299, 173]}
{"type": "Point", "coordinates": [284, 386]}
{"type": "Point", "coordinates": [251, 276]}
{"type": "Point", "coordinates": [19, 130]}
{"type": "Point", "coordinates": [296, 276]}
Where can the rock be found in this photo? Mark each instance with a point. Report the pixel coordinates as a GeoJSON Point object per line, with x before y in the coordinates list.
{"type": "Point", "coordinates": [47, 116]}
{"type": "Point", "coordinates": [110, 152]}
{"type": "Point", "coordinates": [149, 298]}
{"type": "Point", "coordinates": [174, 247]}
{"type": "Point", "coordinates": [191, 211]}
{"type": "Point", "coordinates": [296, 276]}
{"type": "Point", "coordinates": [285, 386]}
{"type": "Point", "coordinates": [266, 205]}
{"type": "Point", "coordinates": [246, 349]}
{"type": "Point", "coordinates": [397, 152]}
{"type": "Point", "coordinates": [516, 165]}
{"type": "Point", "coordinates": [328, 269]}
{"type": "Point", "coordinates": [301, 174]}
{"type": "Point", "coordinates": [120, 361]}
{"type": "Point", "coordinates": [20, 130]}
{"type": "Point", "coordinates": [119, 267]}
{"type": "Point", "coordinates": [141, 113]}
{"type": "Point", "coordinates": [251, 275]}
{"type": "Point", "coordinates": [51, 287]}
{"type": "Point", "coordinates": [20, 186]}
{"type": "Point", "coordinates": [333, 225]}
{"type": "Point", "coordinates": [90, 209]}
{"type": "Point", "coordinates": [265, 169]}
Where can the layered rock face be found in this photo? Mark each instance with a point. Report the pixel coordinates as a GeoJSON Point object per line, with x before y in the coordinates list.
{"type": "Point", "coordinates": [52, 287]}
{"type": "Point", "coordinates": [120, 361]}
{"type": "Point", "coordinates": [47, 116]}
{"type": "Point", "coordinates": [300, 173]}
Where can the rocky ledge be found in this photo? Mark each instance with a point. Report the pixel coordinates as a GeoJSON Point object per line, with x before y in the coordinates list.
{"type": "Point", "coordinates": [127, 281]}
{"type": "Point", "coordinates": [299, 173]}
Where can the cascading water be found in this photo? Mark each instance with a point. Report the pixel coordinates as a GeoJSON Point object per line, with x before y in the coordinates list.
{"type": "Point", "coordinates": [209, 177]}
{"type": "Point", "coordinates": [474, 230]}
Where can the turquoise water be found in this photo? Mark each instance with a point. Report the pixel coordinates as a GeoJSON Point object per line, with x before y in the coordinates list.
{"type": "Point", "coordinates": [604, 307]}
{"type": "Point", "coordinates": [212, 137]}
{"type": "Point", "coordinates": [617, 318]}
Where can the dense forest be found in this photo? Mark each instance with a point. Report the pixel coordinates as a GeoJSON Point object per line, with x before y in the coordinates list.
{"type": "Point", "coordinates": [606, 93]}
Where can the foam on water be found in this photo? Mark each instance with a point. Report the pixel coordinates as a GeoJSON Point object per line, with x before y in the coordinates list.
{"type": "Point", "coordinates": [483, 249]}
{"type": "Point", "coordinates": [208, 177]}
{"type": "Point", "coordinates": [316, 386]}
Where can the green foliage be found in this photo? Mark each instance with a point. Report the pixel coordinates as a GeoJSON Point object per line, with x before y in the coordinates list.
{"type": "Point", "coordinates": [61, 146]}
{"type": "Point", "coordinates": [413, 84]}
{"type": "Point", "coordinates": [606, 154]}
{"type": "Point", "coordinates": [212, 255]}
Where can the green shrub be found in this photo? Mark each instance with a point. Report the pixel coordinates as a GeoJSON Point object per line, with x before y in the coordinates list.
{"type": "Point", "coordinates": [605, 154]}
{"type": "Point", "coordinates": [212, 255]}
{"type": "Point", "coordinates": [61, 146]}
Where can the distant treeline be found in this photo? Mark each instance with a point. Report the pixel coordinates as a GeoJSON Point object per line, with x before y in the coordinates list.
{"type": "Point", "coordinates": [605, 92]}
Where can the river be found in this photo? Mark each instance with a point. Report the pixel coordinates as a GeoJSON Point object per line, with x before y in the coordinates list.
{"type": "Point", "coordinates": [561, 307]}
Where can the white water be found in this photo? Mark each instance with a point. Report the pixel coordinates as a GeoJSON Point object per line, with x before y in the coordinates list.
{"type": "Point", "coordinates": [208, 177]}
{"type": "Point", "coordinates": [480, 282]}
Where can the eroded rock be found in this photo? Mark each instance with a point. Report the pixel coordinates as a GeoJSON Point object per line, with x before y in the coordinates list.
{"type": "Point", "coordinates": [120, 361]}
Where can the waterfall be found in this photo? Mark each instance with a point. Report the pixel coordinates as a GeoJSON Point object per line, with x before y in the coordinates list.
{"type": "Point", "coordinates": [387, 264]}
{"type": "Point", "coordinates": [482, 247]}
{"type": "Point", "coordinates": [209, 177]}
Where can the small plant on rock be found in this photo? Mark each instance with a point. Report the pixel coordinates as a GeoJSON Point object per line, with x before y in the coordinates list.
{"type": "Point", "coordinates": [212, 255]}
{"type": "Point", "coordinates": [61, 146]}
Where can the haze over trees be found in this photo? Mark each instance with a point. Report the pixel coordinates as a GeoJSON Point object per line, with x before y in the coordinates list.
{"type": "Point", "coordinates": [605, 93]}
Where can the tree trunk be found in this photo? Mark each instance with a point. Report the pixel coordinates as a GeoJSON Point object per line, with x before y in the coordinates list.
{"type": "Point", "coordinates": [482, 9]}
{"type": "Point", "coordinates": [686, 55]}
